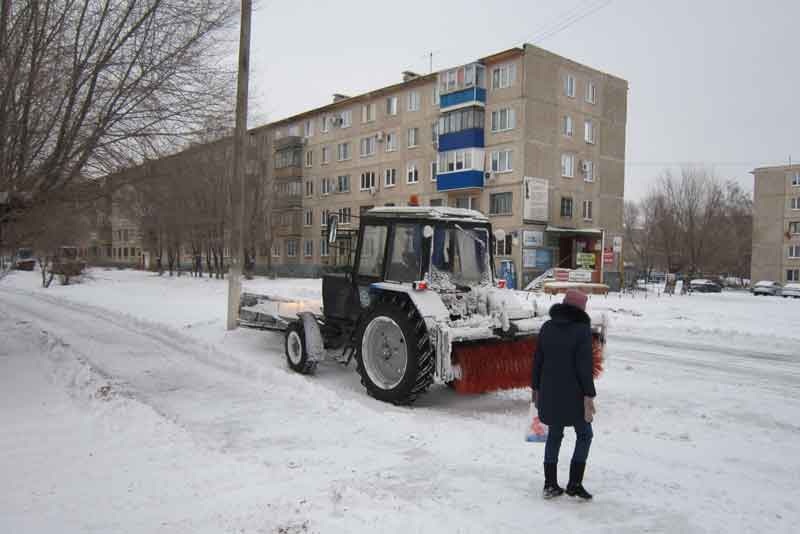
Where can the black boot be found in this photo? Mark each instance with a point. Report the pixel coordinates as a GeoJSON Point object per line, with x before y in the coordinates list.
{"type": "Point", "coordinates": [575, 486]}
{"type": "Point", "coordinates": [551, 487]}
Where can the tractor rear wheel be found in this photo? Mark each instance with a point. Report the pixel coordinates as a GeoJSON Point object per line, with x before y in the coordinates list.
{"type": "Point", "coordinates": [394, 352]}
{"type": "Point", "coordinates": [296, 353]}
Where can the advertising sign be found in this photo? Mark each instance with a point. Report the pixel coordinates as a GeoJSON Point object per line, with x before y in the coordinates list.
{"type": "Point", "coordinates": [535, 199]}
{"type": "Point", "coordinates": [580, 276]}
{"type": "Point", "coordinates": [586, 259]}
{"type": "Point", "coordinates": [537, 258]}
{"type": "Point", "coordinates": [608, 256]}
{"type": "Point", "coordinates": [532, 238]}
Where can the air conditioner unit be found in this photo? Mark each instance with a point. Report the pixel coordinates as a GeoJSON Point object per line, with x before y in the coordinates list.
{"type": "Point", "coordinates": [379, 137]}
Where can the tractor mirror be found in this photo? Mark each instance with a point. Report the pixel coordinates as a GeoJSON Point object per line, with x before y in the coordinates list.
{"type": "Point", "coordinates": [333, 222]}
{"type": "Point", "coordinates": [427, 231]}
{"type": "Point", "coordinates": [500, 234]}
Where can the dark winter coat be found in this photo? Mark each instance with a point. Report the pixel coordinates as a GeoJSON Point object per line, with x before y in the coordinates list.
{"type": "Point", "coordinates": [562, 366]}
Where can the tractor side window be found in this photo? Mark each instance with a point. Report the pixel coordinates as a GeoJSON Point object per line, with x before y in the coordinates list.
{"type": "Point", "coordinates": [372, 249]}
{"type": "Point", "coordinates": [406, 253]}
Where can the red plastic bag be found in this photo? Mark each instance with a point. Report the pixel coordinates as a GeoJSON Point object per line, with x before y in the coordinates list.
{"type": "Point", "coordinates": [536, 431]}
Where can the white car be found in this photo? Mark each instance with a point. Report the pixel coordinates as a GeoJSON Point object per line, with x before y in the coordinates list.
{"type": "Point", "coordinates": [791, 290]}
{"type": "Point", "coordinates": [767, 287]}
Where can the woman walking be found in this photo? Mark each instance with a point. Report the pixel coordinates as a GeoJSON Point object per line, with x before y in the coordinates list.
{"type": "Point", "coordinates": [563, 389]}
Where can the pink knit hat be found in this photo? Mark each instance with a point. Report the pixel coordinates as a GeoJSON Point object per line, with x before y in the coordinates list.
{"type": "Point", "coordinates": [576, 298]}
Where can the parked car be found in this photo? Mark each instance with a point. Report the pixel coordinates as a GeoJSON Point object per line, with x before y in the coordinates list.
{"type": "Point", "coordinates": [701, 285]}
{"type": "Point", "coordinates": [791, 290]}
{"type": "Point", "coordinates": [767, 287]}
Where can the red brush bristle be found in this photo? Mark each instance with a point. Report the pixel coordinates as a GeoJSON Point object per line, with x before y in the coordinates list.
{"type": "Point", "coordinates": [504, 364]}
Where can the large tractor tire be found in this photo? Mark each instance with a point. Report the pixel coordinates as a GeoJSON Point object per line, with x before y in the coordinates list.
{"type": "Point", "coordinates": [296, 353]}
{"type": "Point", "coordinates": [394, 352]}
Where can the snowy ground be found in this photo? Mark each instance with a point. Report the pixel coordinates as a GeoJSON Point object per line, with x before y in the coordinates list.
{"type": "Point", "coordinates": [126, 407]}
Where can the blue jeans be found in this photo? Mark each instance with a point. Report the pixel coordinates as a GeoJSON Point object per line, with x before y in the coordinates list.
{"type": "Point", "coordinates": [555, 433]}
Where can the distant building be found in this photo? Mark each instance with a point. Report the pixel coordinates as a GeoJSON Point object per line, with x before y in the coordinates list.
{"type": "Point", "coordinates": [776, 224]}
{"type": "Point", "coordinates": [532, 139]}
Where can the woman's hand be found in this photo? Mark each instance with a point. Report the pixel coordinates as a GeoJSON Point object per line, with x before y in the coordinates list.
{"type": "Point", "coordinates": [588, 409]}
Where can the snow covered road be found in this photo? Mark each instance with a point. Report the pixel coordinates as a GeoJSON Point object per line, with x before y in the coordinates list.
{"type": "Point", "coordinates": [127, 408]}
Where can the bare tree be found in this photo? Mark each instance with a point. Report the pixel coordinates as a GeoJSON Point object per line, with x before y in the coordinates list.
{"type": "Point", "coordinates": [88, 87]}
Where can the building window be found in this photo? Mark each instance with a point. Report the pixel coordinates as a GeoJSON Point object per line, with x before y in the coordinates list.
{"type": "Point", "coordinates": [502, 160]}
{"type": "Point", "coordinates": [467, 203]}
{"type": "Point", "coordinates": [568, 165]}
{"type": "Point", "coordinates": [391, 142]}
{"type": "Point", "coordinates": [793, 275]}
{"type": "Point", "coordinates": [391, 105]}
{"type": "Point", "coordinates": [327, 186]}
{"type": "Point", "coordinates": [437, 202]}
{"type": "Point", "coordinates": [796, 180]}
{"type": "Point", "coordinates": [390, 177]}
{"type": "Point", "coordinates": [343, 185]}
{"type": "Point", "coordinates": [433, 171]}
{"type": "Point", "coordinates": [291, 248]}
{"type": "Point", "coordinates": [326, 216]}
{"type": "Point", "coordinates": [412, 174]}
{"type": "Point", "coordinates": [566, 207]}
{"type": "Point", "coordinates": [793, 252]}
{"type": "Point", "coordinates": [308, 217]}
{"type": "Point", "coordinates": [324, 248]}
{"type": "Point", "coordinates": [435, 95]}
{"type": "Point", "coordinates": [587, 210]}
{"type": "Point", "coordinates": [276, 249]}
{"type": "Point", "coordinates": [566, 126]}
{"type": "Point", "coordinates": [795, 203]}
{"type": "Point", "coordinates": [413, 137]}
{"type": "Point", "coordinates": [308, 128]}
{"type": "Point", "coordinates": [463, 119]}
{"type": "Point", "coordinates": [368, 112]}
{"type": "Point", "coordinates": [343, 151]}
{"type": "Point", "coordinates": [504, 119]}
{"type": "Point", "coordinates": [504, 76]}
{"type": "Point", "coordinates": [309, 158]}
{"type": "Point", "coordinates": [308, 248]}
{"type": "Point", "coordinates": [569, 85]}
{"type": "Point", "coordinates": [458, 160]}
{"type": "Point", "coordinates": [503, 246]}
{"type": "Point", "coordinates": [324, 123]}
{"type": "Point", "coordinates": [500, 203]}
{"type": "Point", "coordinates": [587, 166]}
{"type": "Point", "coordinates": [588, 131]}
{"type": "Point", "coordinates": [310, 188]}
{"type": "Point", "coordinates": [294, 130]}
{"type": "Point", "coordinates": [591, 92]}
{"type": "Point", "coordinates": [413, 101]}
{"type": "Point", "coordinates": [326, 155]}
{"type": "Point", "coordinates": [345, 215]}
{"type": "Point", "coordinates": [367, 180]}
{"type": "Point", "coordinates": [367, 146]}
{"type": "Point", "coordinates": [794, 228]}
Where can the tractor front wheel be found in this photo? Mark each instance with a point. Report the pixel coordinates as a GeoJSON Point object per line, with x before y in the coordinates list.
{"type": "Point", "coordinates": [296, 353]}
{"type": "Point", "coordinates": [394, 353]}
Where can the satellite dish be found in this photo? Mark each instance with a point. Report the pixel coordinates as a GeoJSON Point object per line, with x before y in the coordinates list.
{"type": "Point", "coordinates": [427, 231]}
{"type": "Point", "coordinates": [500, 234]}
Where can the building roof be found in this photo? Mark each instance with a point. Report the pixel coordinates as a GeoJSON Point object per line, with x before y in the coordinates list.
{"type": "Point", "coordinates": [767, 168]}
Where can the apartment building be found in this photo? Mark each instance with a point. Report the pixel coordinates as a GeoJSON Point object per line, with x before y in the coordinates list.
{"type": "Point", "coordinates": [776, 224]}
{"type": "Point", "coordinates": [532, 139]}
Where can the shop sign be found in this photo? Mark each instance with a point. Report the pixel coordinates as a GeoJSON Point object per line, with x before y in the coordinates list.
{"type": "Point", "coordinates": [580, 275]}
{"type": "Point", "coordinates": [586, 259]}
{"type": "Point", "coordinates": [608, 256]}
{"type": "Point", "coordinates": [532, 238]}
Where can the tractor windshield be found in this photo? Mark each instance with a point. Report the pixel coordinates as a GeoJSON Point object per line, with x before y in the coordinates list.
{"type": "Point", "coordinates": [24, 253]}
{"type": "Point", "coordinates": [460, 257]}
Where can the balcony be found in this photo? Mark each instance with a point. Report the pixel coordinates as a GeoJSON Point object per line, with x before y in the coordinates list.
{"type": "Point", "coordinates": [474, 96]}
{"type": "Point", "coordinates": [452, 181]}
{"type": "Point", "coordinates": [469, 138]}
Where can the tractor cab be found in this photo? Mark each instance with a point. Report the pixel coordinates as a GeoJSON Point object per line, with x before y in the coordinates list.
{"type": "Point", "coordinates": [440, 249]}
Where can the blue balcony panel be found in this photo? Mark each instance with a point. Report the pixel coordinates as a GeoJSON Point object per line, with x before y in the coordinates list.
{"type": "Point", "coordinates": [465, 96]}
{"type": "Point", "coordinates": [459, 180]}
{"type": "Point", "coordinates": [471, 138]}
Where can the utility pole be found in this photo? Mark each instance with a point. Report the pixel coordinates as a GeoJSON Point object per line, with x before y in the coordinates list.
{"type": "Point", "coordinates": [237, 187]}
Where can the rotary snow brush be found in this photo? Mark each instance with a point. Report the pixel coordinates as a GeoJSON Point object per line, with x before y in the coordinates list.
{"type": "Point", "coordinates": [492, 366]}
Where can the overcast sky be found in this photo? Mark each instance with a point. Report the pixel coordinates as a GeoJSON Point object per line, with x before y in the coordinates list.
{"type": "Point", "coordinates": [711, 82]}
